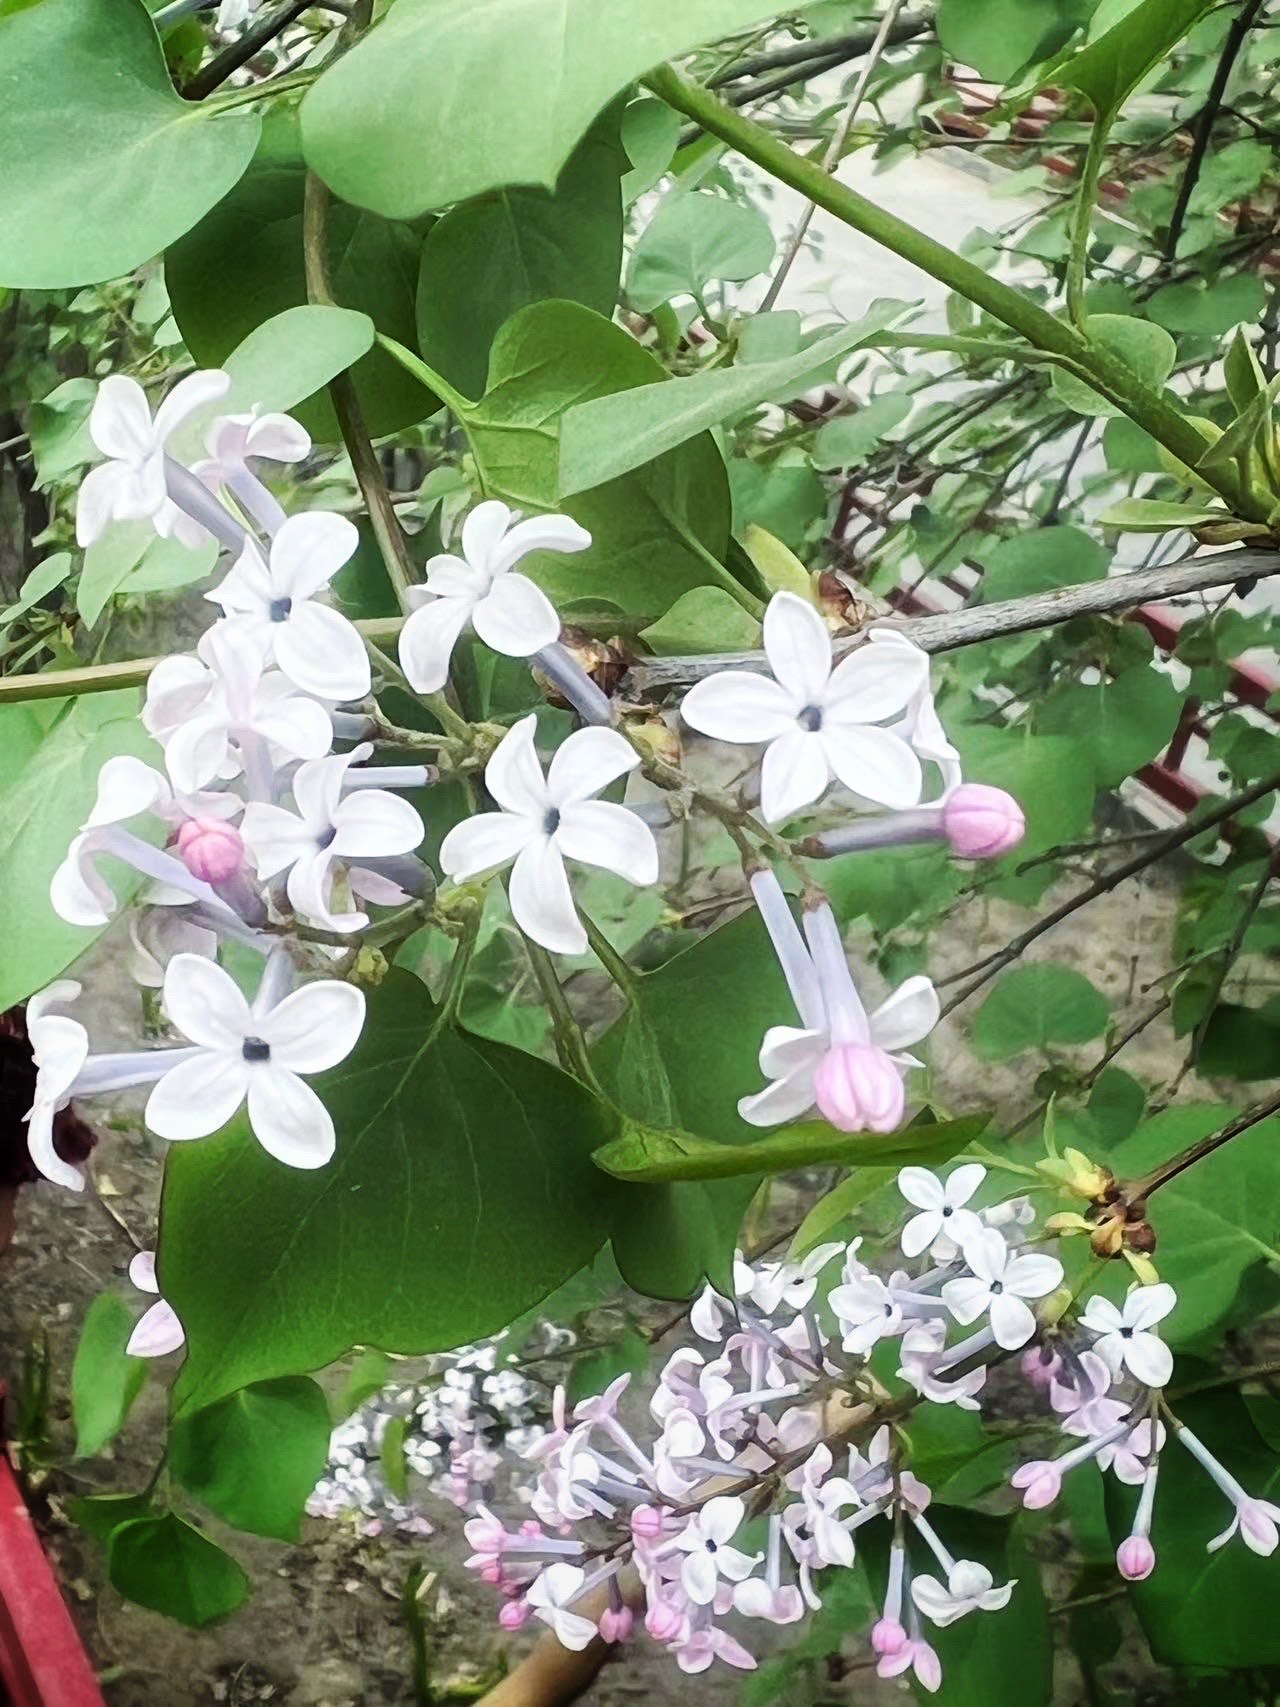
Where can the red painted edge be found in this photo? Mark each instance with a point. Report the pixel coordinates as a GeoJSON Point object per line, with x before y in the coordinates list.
{"type": "Point", "coordinates": [42, 1660]}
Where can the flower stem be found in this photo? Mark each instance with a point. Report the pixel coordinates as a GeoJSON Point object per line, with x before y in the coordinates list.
{"type": "Point", "coordinates": [571, 1045]}
{"type": "Point", "coordinates": [622, 975]}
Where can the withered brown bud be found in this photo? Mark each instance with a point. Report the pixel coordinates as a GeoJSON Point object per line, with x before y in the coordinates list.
{"type": "Point", "coordinates": [1107, 1237]}
{"type": "Point", "coordinates": [1141, 1238]}
{"type": "Point", "coordinates": [649, 729]}
{"type": "Point", "coordinates": [605, 661]}
{"type": "Point", "coordinates": [843, 608]}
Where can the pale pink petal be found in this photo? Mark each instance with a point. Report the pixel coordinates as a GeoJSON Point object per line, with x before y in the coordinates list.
{"type": "Point", "coordinates": [156, 1333]}
{"type": "Point", "coordinates": [188, 397]}
{"type": "Point", "coordinates": [277, 437]}
{"type": "Point", "coordinates": [142, 1272]}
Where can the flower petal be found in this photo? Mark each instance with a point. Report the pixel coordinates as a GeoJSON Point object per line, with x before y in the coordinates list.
{"type": "Point", "coordinates": [920, 1232]}
{"type": "Point", "coordinates": [921, 1188]}
{"type": "Point", "coordinates": [874, 683]}
{"type": "Point", "coordinates": [288, 1118]}
{"type": "Point", "coordinates": [793, 774]}
{"type": "Point", "coordinates": [41, 1150]}
{"type": "Point", "coordinates": [486, 842]}
{"type": "Point", "coordinates": [277, 437]}
{"type": "Point", "coordinates": [1033, 1276]}
{"type": "Point", "coordinates": [541, 900]}
{"type": "Point", "coordinates": [963, 1181]}
{"type": "Point", "coordinates": [515, 617]}
{"type": "Point", "coordinates": [588, 762]}
{"type": "Point", "coordinates": [483, 530]}
{"type": "Point", "coordinates": [142, 1272]}
{"type": "Point", "coordinates": [96, 502]}
{"type": "Point", "coordinates": [205, 1004]}
{"type": "Point", "coordinates": [1012, 1321]}
{"type": "Point", "coordinates": [322, 653]}
{"type": "Point", "coordinates": [513, 775]}
{"type": "Point", "coordinates": [199, 1095]}
{"type": "Point", "coordinates": [315, 1027]}
{"type": "Point", "coordinates": [787, 1098]}
{"type": "Point", "coordinates": [291, 721]}
{"type": "Point", "coordinates": [308, 552]}
{"type": "Point", "coordinates": [966, 1298]}
{"type": "Point", "coordinates": [427, 641]}
{"type": "Point", "coordinates": [798, 648]}
{"type": "Point", "coordinates": [450, 577]}
{"type": "Point", "coordinates": [373, 823]}
{"type": "Point", "coordinates": [601, 834]}
{"type": "Point", "coordinates": [1149, 1359]}
{"type": "Point", "coordinates": [538, 533]}
{"type": "Point", "coordinates": [1147, 1305]}
{"type": "Point", "coordinates": [156, 1333]}
{"type": "Point", "coordinates": [188, 397]}
{"type": "Point", "coordinates": [739, 706]}
{"type": "Point", "coordinates": [120, 420]}
{"type": "Point", "coordinates": [909, 1014]}
{"type": "Point", "coordinates": [874, 764]}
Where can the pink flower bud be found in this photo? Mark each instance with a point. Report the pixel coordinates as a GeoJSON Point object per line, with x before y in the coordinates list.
{"type": "Point", "coordinates": [1039, 1482]}
{"type": "Point", "coordinates": [210, 849]}
{"type": "Point", "coordinates": [532, 1528]}
{"type": "Point", "coordinates": [1040, 1365]}
{"type": "Point", "coordinates": [665, 1621]}
{"type": "Point", "coordinates": [492, 1572]}
{"type": "Point", "coordinates": [858, 1089]}
{"type": "Point", "coordinates": [888, 1636]}
{"type": "Point", "coordinates": [617, 1623]}
{"type": "Point", "coordinates": [647, 1523]}
{"type": "Point", "coordinates": [514, 1615]}
{"type": "Point", "coordinates": [982, 822]}
{"type": "Point", "coordinates": [1135, 1558]}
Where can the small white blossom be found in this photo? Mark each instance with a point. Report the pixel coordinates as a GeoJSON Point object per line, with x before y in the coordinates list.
{"type": "Point", "coordinates": [999, 1287]}
{"type": "Point", "coordinates": [970, 1587]}
{"type": "Point", "coordinates": [552, 1594]}
{"type": "Point", "coordinates": [943, 1224]}
{"type": "Point", "coordinates": [1125, 1336]}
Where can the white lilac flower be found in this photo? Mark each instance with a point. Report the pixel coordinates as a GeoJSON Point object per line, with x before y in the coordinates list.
{"type": "Point", "coordinates": [817, 723]}
{"type": "Point", "coordinates": [253, 1054]}
{"type": "Point", "coordinates": [768, 1597]}
{"type": "Point", "coordinates": [221, 711]}
{"type": "Point", "coordinates": [481, 587]}
{"type": "Point", "coordinates": [920, 724]}
{"type": "Point", "coordinates": [132, 486]}
{"type": "Point", "coordinates": [825, 1499]}
{"type": "Point", "coordinates": [1079, 1394]}
{"type": "Point", "coordinates": [790, 1284]}
{"type": "Point", "coordinates": [999, 1286]}
{"type": "Point", "coordinates": [970, 1587]}
{"type": "Point", "coordinates": [1254, 1519]}
{"type": "Point", "coordinates": [1125, 1336]}
{"type": "Point", "coordinates": [552, 1594]}
{"type": "Point", "coordinates": [328, 826]}
{"type": "Point", "coordinates": [232, 440]}
{"type": "Point", "coordinates": [923, 1350]}
{"type": "Point", "coordinates": [709, 1559]}
{"type": "Point", "coordinates": [276, 601]}
{"type": "Point", "coordinates": [944, 1223]}
{"type": "Point", "coordinates": [545, 820]}
{"type": "Point", "coordinates": [60, 1046]}
{"type": "Point", "coordinates": [157, 1331]}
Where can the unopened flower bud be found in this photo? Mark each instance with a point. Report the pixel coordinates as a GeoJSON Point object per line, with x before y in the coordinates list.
{"type": "Point", "coordinates": [1038, 1482]}
{"type": "Point", "coordinates": [1135, 1558]}
{"type": "Point", "coordinates": [859, 1089]}
{"type": "Point", "coordinates": [664, 1621]}
{"type": "Point", "coordinates": [211, 849]}
{"type": "Point", "coordinates": [514, 1615]}
{"type": "Point", "coordinates": [647, 1523]}
{"type": "Point", "coordinates": [1143, 1267]}
{"type": "Point", "coordinates": [617, 1623]}
{"type": "Point", "coordinates": [653, 734]}
{"type": "Point", "coordinates": [888, 1636]}
{"type": "Point", "coordinates": [1053, 1308]}
{"type": "Point", "coordinates": [1040, 1364]}
{"type": "Point", "coordinates": [982, 822]}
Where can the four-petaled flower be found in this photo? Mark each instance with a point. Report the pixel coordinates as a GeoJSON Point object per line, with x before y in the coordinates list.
{"type": "Point", "coordinates": [1125, 1338]}
{"type": "Point", "coordinates": [551, 1595]}
{"type": "Point", "coordinates": [507, 610]}
{"type": "Point", "coordinates": [253, 1054]}
{"type": "Point", "coordinates": [999, 1286]}
{"type": "Point", "coordinates": [943, 1223]}
{"type": "Point", "coordinates": [233, 439]}
{"type": "Point", "coordinates": [708, 1556]}
{"type": "Point", "coordinates": [818, 723]}
{"type": "Point", "coordinates": [969, 1588]}
{"type": "Point", "coordinates": [545, 820]}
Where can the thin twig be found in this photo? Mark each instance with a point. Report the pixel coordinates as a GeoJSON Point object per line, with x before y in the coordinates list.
{"type": "Point", "coordinates": [1206, 119]}
{"type": "Point", "coordinates": [849, 45]}
{"type": "Point", "coordinates": [264, 30]}
{"type": "Point", "coordinates": [1142, 1189]}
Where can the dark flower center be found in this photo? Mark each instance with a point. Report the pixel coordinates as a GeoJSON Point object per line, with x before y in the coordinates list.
{"type": "Point", "coordinates": [997, 1287]}
{"type": "Point", "coordinates": [551, 823]}
{"type": "Point", "coordinates": [810, 719]}
{"type": "Point", "coordinates": [325, 838]}
{"type": "Point", "coordinates": [279, 609]}
{"type": "Point", "coordinates": [254, 1049]}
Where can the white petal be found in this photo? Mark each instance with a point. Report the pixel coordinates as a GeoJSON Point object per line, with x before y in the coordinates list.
{"type": "Point", "coordinates": [427, 641]}
{"type": "Point", "coordinates": [874, 764]}
{"type": "Point", "coordinates": [513, 775]}
{"type": "Point", "coordinates": [793, 774]}
{"type": "Point", "coordinates": [308, 552]}
{"type": "Point", "coordinates": [541, 900]}
{"type": "Point", "coordinates": [1149, 1358]}
{"type": "Point", "coordinates": [142, 1272]}
{"type": "Point", "coordinates": [787, 1098]}
{"type": "Point", "coordinates": [95, 502]}
{"type": "Point", "coordinates": [1033, 1276]}
{"type": "Point", "coordinates": [987, 1254]}
{"type": "Point", "coordinates": [205, 1004]}
{"type": "Point", "coordinates": [920, 1232]}
{"type": "Point", "coordinates": [288, 1118]}
{"type": "Point", "coordinates": [196, 752]}
{"type": "Point", "coordinates": [42, 1153]}
{"type": "Point", "coordinates": [120, 420]}
{"type": "Point", "coordinates": [156, 1333]}
{"type": "Point", "coordinates": [798, 648]}
{"type": "Point", "coordinates": [516, 618]}
{"type": "Point", "coordinates": [699, 1578]}
{"type": "Point", "coordinates": [1147, 1305]}
{"type": "Point", "coordinates": [934, 1601]}
{"type": "Point", "coordinates": [587, 762]}
{"type": "Point", "coordinates": [738, 705]}
{"type": "Point", "coordinates": [963, 1181]}
{"type": "Point", "coordinates": [291, 721]}
{"type": "Point", "coordinates": [322, 653]}
{"type": "Point", "coordinates": [966, 1298]}
{"type": "Point", "coordinates": [126, 787]}
{"type": "Point", "coordinates": [198, 1096]}
{"type": "Point", "coordinates": [1012, 1321]}
{"type": "Point", "coordinates": [317, 789]}
{"type": "Point", "coordinates": [275, 838]}
{"type": "Point", "coordinates": [1101, 1316]}
{"type": "Point", "coordinates": [486, 842]}
{"type": "Point", "coordinates": [76, 892]}
{"type": "Point", "coordinates": [874, 683]}
{"type": "Point", "coordinates": [277, 437]}
{"type": "Point", "coordinates": [188, 397]}
{"type": "Point", "coordinates": [599, 833]}
{"type": "Point", "coordinates": [538, 533]}
{"type": "Point", "coordinates": [722, 1517]}
{"type": "Point", "coordinates": [483, 530]}
{"type": "Point", "coordinates": [787, 1048]}
{"type": "Point", "coordinates": [315, 1027]}
{"type": "Point", "coordinates": [310, 887]}
{"type": "Point", "coordinates": [921, 1188]}
{"type": "Point", "coordinates": [451, 577]}
{"type": "Point", "coordinates": [374, 823]}
{"type": "Point", "coordinates": [909, 1014]}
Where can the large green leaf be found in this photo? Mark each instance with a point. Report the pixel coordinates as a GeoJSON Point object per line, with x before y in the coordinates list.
{"type": "Point", "coordinates": [693, 239]}
{"type": "Point", "coordinates": [492, 256]}
{"type": "Point", "coordinates": [104, 1379]}
{"type": "Point", "coordinates": [1122, 724]}
{"type": "Point", "coordinates": [242, 265]}
{"type": "Point", "coordinates": [104, 163]}
{"type": "Point", "coordinates": [1040, 559]}
{"type": "Point", "coordinates": [449, 98]}
{"type": "Point", "coordinates": [655, 532]}
{"type": "Point", "coordinates": [1112, 66]}
{"type": "Point", "coordinates": [1035, 1007]}
{"type": "Point", "coordinates": [164, 1563]}
{"type": "Point", "coordinates": [256, 1455]}
{"type": "Point", "coordinates": [49, 764]}
{"type": "Point", "coordinates": [461, 1192]}
{"type": "Point", "coordinates": [611, 435]}
{"type": "Point", "coordinates": [999, 37]}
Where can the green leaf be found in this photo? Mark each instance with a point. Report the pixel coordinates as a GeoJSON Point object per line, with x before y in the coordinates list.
{"type": "Point", "coordinates": [655, 532]}
{"type": "Point", "coordinates": [999, 37]}
{"type": "Point", "coordinates": [643, 1153]}
{"type": "Point", "coordinates": [369, 1374]}
{"type": "Point", "coordinates": [1116, 1104]}
{"type": "Point", "coordinates": [373, 124]}
{"type": "Point", "coordinates": [837, 1205]}
{"type": "Point", "coordinates": [44, 579]}
{"type": "Point", "coordinates": [847, 441]}
{"type": "Point", "coordinates": [628, 1352]}
{"type": "Point", "coordinates": [1246, 381]}
{"type": "Point", "coordinates": [47, 787]}
{"type": "Point", "coordinates": [100, 1515]}
{"type": "Point", "coordinates": [1146, 350]}
{"type": "Point", "coordinates": [1046, 776]}
{"type": "Point", "coordinates": [954, 1455]}
{"type": "Point", "coordinates": [694, 238]}
{"type": "Point", "coordinates": [1200, 1608]}
{"type": "Point", "coordinates": [1036, 1007]}
{"type": "Point", "coordinates": [255, 1456]}
{"type": "Point", "coordinates": [1213, 1223]}
{"type": "Point", "coordinates": [1157, 515]}
{"type": "Point", "coordinates": [164, 1563]}
{"type": "Point", "coordinates": [391, 1456]}
{"type": "Point", "coordinates": [1110, 68]}
{"type": "Point", "coordinates": [104, 1380]}
{"type": "Point", "coordinates": [702, 620]}
{"type": "Point", "coordinates": [1040, 560]}
{"type": "Point", "coordinates": [129, 549]}
{"type": "Point", "coordinates": [1122, 723]}
{"type": "Point", "coordinates": [1240, 1043]}
{"type": "Point", "coordinates": [59, 429]}
{"type": "Point", "coordinates": [105, 164]}
{"type": "Point", "coordinates": [461, 1193]}
{"type": "Point", "coordinates": [1208, 309]}
{"type": "Point", "coordinates": [488, 258]}
{"type": "Point", "coordinates": [241, 268]}
{"type": "Point", "coordinates": [611, 435]}
{"type": "Point", "coordinates": [650, 135]}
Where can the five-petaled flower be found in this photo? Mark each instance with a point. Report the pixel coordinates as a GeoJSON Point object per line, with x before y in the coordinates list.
{"type": "Point", "coordinates": [1125, 1336]}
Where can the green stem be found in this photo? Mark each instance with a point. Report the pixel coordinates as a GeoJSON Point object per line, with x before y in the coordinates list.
{"type": "Point", "coordinates": [285, 85]}
{"type": "Point", "coordinates": [457, 975]}
{"type": "Point", "coordinates": [571, 1045]}
{"type": "Point", "coordinates": [622, 975]}
{"type": "Point", "coordinates": [1082, 219]}
{"type": "Point", "coordinates": [1104, 370]}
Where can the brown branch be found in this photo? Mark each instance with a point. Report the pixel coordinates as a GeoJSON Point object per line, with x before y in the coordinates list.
{"type": "Point", "coordinates": [1139, 1190]}
{"type": "Point", "coordinates": [953, 629]}
{"type": "Point", "coordinates": [240, 52]}
{"type": "Point", "coordinates": [850, 45]}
